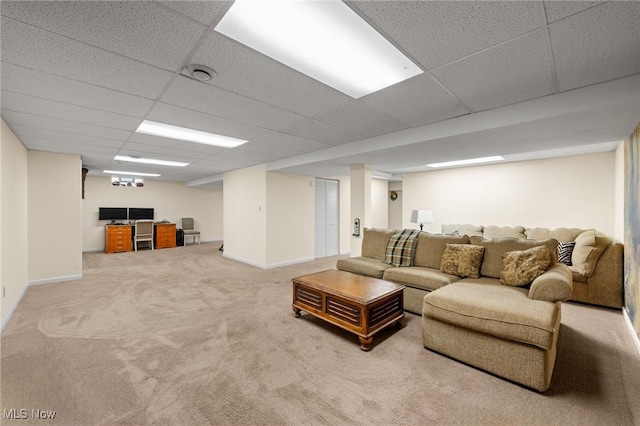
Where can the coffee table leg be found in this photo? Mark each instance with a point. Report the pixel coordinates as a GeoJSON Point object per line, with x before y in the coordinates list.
{"type": "Point", "coordinates": [365, 343]}
{"type": "Point", "coordinates": [296, 312]}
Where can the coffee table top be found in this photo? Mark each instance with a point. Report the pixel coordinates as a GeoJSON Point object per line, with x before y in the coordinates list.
{"type": "Point", "coordinates": [347, 284]}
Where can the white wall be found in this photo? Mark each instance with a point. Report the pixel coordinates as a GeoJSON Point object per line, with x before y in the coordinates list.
{"type": "Point", "coordinates": [379, 203]}
{"type": "Point", "coordinates": [54, 217]}
{"type": "Point", "coordinates": [395, 207]}
{"type": "Point", "coordinates": [170, 200]}
{"type": "Point", "coordinates": [576, 191]}
{"type": "Point", "coordinates": [244, 215]}
{"type": "Point", "coordinates": [290, 228]}
{"type": "Point", "coordinates": [13, 221]}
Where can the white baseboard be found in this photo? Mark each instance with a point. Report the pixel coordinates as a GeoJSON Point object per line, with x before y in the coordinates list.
{"type": "Point", "coordinates": [632, 331]}
{"type": "Point", "coordinates": [7, 317]}
{"type": "Point", "coordinates": [55, 280]}
{"type": "Point", "coordinates": [271, 266]}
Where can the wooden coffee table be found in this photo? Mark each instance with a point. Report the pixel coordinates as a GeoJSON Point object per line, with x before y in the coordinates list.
{"type": "Point", "coordinates": [357, 303]}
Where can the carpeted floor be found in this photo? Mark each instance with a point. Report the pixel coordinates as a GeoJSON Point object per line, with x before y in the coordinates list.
{"type": "Point", "coordinates": [185, 336]}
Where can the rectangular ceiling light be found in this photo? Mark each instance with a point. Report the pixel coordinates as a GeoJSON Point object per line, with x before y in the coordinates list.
{"type": "Point", "coordinates": [185, 134]}
{"type": "Point", "coordinates": [466, 162]}
{"type": "Point", "coordinates": [116, 172]}
{"type": "Point", "coordinates": [325, 40]}
{"type": "Point", "coordinates": [149, 161]}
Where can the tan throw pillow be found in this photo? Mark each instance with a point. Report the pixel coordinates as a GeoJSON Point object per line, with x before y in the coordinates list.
{"type": "Point", "coordinates": [521, 267]}
{"type": "Point", "coordinates": [463, 260]}
{"type": "Point", "coordinates": [589, 247]}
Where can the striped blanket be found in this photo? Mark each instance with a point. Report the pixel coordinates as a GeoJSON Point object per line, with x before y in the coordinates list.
{"type": "Point", "coordinates": [401, 247]}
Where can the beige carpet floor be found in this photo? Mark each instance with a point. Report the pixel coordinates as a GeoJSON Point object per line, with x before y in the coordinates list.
{"type": "Point", "coordinates": [185, 336]}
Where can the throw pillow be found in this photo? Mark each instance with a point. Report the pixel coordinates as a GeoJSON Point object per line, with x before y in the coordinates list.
{"type": "Point", "coordinates": [401, 247]}
{"type": "Point", "coordinates": [589, 247]}
{"type": "Point", "coordinates": [463, 260]}
{"type": "Point", "coordinates": [564, 252]}
{"type": "Point", "coordinates": [521, 267]}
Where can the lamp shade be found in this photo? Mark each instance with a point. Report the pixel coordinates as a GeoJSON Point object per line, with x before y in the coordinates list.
{"type": "Point", "coordinates": [421, 216]}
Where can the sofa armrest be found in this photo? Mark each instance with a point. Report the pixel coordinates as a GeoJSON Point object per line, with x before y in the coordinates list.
{"type": "Point", "coordinates": [554, 285]}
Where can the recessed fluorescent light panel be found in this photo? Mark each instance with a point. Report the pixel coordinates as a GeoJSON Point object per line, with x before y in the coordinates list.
{"type": "Point", "coordinates": [116, 172]}
{"type": "Point", "coordinates": [325, 40]}
{"type": "Point", "coordinates": [185, 134]}
{"type": "Point", "coordinates": [149, 161]}
{"type": "Point", "coordinates": [466, 162]}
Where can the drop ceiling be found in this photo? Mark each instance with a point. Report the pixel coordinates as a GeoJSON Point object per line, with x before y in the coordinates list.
{"type": "Point", "coordinates": [522, 79]}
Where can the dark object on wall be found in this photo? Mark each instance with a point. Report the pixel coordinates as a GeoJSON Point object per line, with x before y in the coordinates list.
{"type": "Point", "coordinates": [179, 237]}
{"type": "Point", "coordinates": [356, 227]}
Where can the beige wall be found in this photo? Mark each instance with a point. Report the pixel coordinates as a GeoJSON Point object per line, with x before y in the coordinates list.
{"type": "Point", "coordinates": [618, 232]}
{"type": "Point", "coordinates": [379, 203]}
{"type": "Point", "coordinates": [13, 221]}
{"type": "Point", "coordinates": [290, 227]}
{"type": "Point", "coordinates": [170, 201]}
{"type": "Point", "coordinates": [346, 228]}
{"type": "Point", "coordinates": [575, 191]}
{"type": "Point", "coordinates": [244, 215]}
{"type": "Point", "coordinates": [55, 234]}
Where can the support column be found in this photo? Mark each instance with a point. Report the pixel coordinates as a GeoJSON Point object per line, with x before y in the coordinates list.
{"type": "Point", "coordinates": [360, 203]}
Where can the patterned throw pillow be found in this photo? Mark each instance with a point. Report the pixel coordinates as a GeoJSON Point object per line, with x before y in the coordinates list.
{"type": "Point", "coordinates": [565, 249]}
{"type": "Point", "coordinates": [463, 260]}
{"type": "Point", "coordinates": [401, 247]}
{"type": "Point", "coordinates": [521, 267]}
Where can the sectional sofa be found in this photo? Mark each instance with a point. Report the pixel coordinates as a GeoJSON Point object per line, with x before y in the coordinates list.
{"type": "Point", "coordinates": [472, 308]}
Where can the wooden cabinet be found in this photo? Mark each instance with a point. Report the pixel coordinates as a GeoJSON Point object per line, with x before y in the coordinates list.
{"type": "Point", "coordinates": [165, 235]}
{"type": "Point", "coordinates": [117, 238]}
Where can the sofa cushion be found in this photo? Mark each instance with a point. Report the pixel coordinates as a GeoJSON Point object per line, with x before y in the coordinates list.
{"type": "Point", "coordinates": [589, 247]}
{"type": "Point", "coordinates": [419, 277]}
{"type": "Point", "coordinates": [504, 232]}
{"type": "Point", "coordinates": [521, 267]}
{"type": "Point", "coordinates": [363, 266]}
{"type": "Point", "coordinates": [463, 260]}
{"type": "Point", "coordinates": [374, 242]}
{"type": "Point", "coordinates": [497, 310]}
{"type": "Point", "coordinates": [457, 229]}
{"type": "Point", "coordinates": [431, 247]}
{"type": "Point", "coordinates": [565, 249]}
{"type": "Point", "coordinates": [494, 249]}
{"type": "Point", "coordinates": [401, 247]}
{"type": "Point", "coordinates": [560, 234]}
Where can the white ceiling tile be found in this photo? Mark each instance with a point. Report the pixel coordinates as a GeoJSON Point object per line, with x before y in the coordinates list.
{"type": "Point", "coordinates": [417, 101]}
{"type": "Point", "coordinates": [156, 153]}
{"type": "Point", "coordinates": [70, 147]}
{"type": "Point", "coordinates": [184, 117]}
{"type": "Point", "coordinates": [608, 50]}
{"type": "Point", "coordinates": [272, 150]}
{"type": "Point", "coordinates": [36, 83]}
{"type": "Point", "coordinates": [26, 133]}
{"type": "Point", "coordinates": [141, 30]}
{"type": "Point", "coordinates": [359, 118]}
{"type": "Point", "coordinates": [202, 11]}
{"type": "Point", "coordinates": [31, 47]}
{"type": "Point", "coordinates": [212, 100]}
{"type": "Point", "coordinates": [292, 142]}
{"type": "Point", "coordinates": [243, 70]}
{"type": "Point", "coordinates": [18, 102]}
{"type": "Point", "coordinates": [321, 132]}
{"type": "Point", "coordinates": [22, 119]}
{"type": "Point", "coordinates": [509, 73]}
{"type": "Point", "coordinates": [438, 32]}
{"type": "Point", "coordinates": [557, 10]}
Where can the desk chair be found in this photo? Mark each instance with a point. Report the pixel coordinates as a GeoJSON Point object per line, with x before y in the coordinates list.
{"type": "Point", "coordinates": [189, 231]}
{"type": "Point", "coordinates": [144, 232]}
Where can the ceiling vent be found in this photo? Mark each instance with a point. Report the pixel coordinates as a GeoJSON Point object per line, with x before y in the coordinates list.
{"type": "Point", "coordinates": [199, 72]}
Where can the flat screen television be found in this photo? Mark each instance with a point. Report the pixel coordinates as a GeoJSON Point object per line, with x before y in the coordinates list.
{"type": "Point", "coordinates": [137, 213]}
{"type": "Point", "coordinates": [112, 213]}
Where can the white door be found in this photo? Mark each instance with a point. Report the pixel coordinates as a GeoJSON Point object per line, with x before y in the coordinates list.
{"type": "Point", "coordinates": [327, 217]}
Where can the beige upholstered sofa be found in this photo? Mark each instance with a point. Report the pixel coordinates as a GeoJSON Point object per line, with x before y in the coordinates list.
{"type": "Point", "coordinates": [597, 262]}
{"type": "Point", "coordinates": [510, 331]}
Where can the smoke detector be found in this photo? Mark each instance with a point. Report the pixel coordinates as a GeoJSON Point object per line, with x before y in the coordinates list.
{"type": "Point", "coordinates": [198, 72]}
